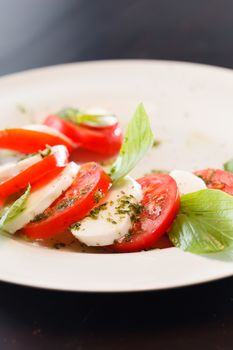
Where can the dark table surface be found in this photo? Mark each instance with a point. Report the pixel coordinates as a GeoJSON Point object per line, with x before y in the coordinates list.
{"type": "Point", "coordinates": [38, 33]}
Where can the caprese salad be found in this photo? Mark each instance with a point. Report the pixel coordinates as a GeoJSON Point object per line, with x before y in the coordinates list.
{"type": "Point", "coordinates": [94, 130]}
{"type": "Point", "coordinates": [45, 194]}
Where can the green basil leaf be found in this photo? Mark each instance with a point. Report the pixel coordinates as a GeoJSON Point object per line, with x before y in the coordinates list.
{"type": "Point", "coordinates": [15, 209]}
{"type": "Point", "coordinates": [97, 120]}
{"type": "Point", "coordinates": [204, 223]}
{"type": "Point", "coordinates": [77, 116]}
{"type": "Point", "coordinates": [69, 114]}
{"type": "Point", "coordinates": [228, 166]}
{"type": "Point", "coordinates": [138, 140]}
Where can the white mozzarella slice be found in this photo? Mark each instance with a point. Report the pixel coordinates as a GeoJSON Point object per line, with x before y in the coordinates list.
{"type": "Point", "coordinates": [48, 130]}
{"type": "Point", "coordinates": [109, 225]}
{"type": "Point", "coordinates": [187, 182]}
{"type": "Point", "coordinates": [12, 169]}
{"type": "Point", "coordinates": [41, 199]}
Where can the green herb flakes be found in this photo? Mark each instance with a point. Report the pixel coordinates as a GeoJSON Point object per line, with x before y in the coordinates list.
{"type": "Point", "coordinates": [127, 207]}
{"type": "Point", "coordinates": [156, 143]}
{"type": "Point", "coordinates": [98, 195]}
{"type": "Point", "coordinates": [40, 217]}
{"type": "Point", "coordinates": [68, 202]}
{"type": "Point", "coordinates": [76, 226]}
{"type": "Point", "coordinates": [46, 152]}
{"type": "Point", "coordinates": [95, 212]}
{"type": "Point", "coordinates": [111, 221]}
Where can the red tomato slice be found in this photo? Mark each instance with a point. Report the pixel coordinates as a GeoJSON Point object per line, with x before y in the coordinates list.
{"type": "Point", "coordinates": [29, 141]}
{"type": "Point", "coordinates": [161, 204]}
{"type": "Point", "coordinates": [43, 181]}
{"type": "Point", "coordinates": [106, 140]}
{"type": "Point", "coordinates": [73, 205]}
{"type": "Point", "coordinates": [217, 179]}
{"type": "Point", "coordinates": [33, 173]}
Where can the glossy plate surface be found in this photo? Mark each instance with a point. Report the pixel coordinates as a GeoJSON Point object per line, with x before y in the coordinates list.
{"type": "Point", "coordinates": [191, 109]}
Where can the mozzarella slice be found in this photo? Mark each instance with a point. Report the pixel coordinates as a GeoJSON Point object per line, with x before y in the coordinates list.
{"type": "Point", "coordinates": [48, 130]}
{"type": "Point", "coordinates": [42, 198]}
{"type": "Point", "coordinates": [14, 168]}
{"type": "Point", "coordinates": [108, 225]}
{"type": "Point", "coordinates": [187, 182]}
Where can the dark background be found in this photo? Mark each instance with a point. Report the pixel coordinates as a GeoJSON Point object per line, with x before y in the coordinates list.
{"type": "Point", "coordinates": [35, 33]}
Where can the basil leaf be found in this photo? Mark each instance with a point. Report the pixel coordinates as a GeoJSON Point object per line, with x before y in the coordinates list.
{"type": "Point", "coordinates": [228, 166]}
{"type": "Point", "coordinates": [69, 114]}
{"type": "Point", "coordinates": [77, 116]}
{"type": "Point", "coordinates": [204, 223]}
{"type": "Point", "coordinates": [137, 141]}
{"type": "Point", "coordinates": [97, 120]}
{"type": "Point", "coordinates": [15, 209]}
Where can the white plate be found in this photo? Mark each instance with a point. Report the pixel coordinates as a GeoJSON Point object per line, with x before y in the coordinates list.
{"type": "Point", "coordinates": [191, 107]}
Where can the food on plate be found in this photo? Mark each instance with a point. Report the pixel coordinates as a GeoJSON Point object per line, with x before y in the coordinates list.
{"type": "Point", "coordinates": [15, 176]}
{"type": "Point", "coordinates": [45, 195]}
{"type": "Point", "coordinates": [157, 210]}
{"type": "Point", "coordinates": [32, 139]}
{"type": "Point", "coordinates": [39, 197]}
{"type": "Point", "coordinates": [88, 187]}
{"type": "Point", "coordinates": [187, 182]}
{"type": "Point", "coordinates": [113, 216]}
{"type": "Point", "coordinates": [95, 132]}
{"type": "Point", "coordinates": [217, 179]}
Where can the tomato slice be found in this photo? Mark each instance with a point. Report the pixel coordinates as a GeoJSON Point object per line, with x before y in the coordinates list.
{"type": "Point", "coordinates": [34, 172]}
{"type": "Point", "coordinates": [73, 205]}
{"type": "Point", "coordinates": [160, 206]}
{"type": "Point", "coordinates": [217, 179]}
{"type": "Point", "coordinates": [106, 140]}
{"type": "Point", "coordinates": [29, 141]}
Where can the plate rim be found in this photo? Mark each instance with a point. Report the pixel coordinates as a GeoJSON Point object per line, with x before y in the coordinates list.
{"type": "Point", "coordinates": [31, 71]}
